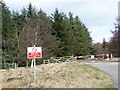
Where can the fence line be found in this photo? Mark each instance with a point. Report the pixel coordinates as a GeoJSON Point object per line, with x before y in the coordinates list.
{"type": "Point", "coordinates": [59, 59]}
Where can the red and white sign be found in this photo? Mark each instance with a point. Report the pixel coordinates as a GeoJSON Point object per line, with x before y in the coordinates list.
{"type": "Point", "coordinates": [34, 52]}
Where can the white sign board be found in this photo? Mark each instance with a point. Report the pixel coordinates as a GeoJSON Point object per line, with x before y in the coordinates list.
{"type": "Point", "coordinates": [92, 56]}
{"type": "Point", "coordinates": [34, 52]}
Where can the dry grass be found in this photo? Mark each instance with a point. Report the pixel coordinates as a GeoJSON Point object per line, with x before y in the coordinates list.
{"type": "Point", "coordinates": [62, 75]}
{"type": "Point", "coordinates": [0, 80]}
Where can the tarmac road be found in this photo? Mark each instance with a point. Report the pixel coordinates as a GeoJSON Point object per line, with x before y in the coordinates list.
{"type": "Point", "coordinates": [111, 68]}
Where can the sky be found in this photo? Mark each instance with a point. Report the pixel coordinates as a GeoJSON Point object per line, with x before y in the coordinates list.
{"type": "Point", "coordinates": [99, 16]}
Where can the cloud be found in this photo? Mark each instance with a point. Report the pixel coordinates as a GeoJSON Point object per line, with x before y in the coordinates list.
{"type": "Point", "coordinates": [97, 15]}
{"type": "Point", "coordinates": [98, 33]}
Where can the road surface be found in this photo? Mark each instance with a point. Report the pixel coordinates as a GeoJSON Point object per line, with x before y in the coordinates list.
{"type": "Point", "coordinates": [111, 68]}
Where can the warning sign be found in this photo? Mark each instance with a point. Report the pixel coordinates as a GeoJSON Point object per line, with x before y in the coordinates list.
{"type": "Point", "coordinates": [34, 52]}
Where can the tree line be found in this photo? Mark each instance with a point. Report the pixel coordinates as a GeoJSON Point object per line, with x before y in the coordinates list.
{"type": "Point", "coordinates": [59, 34]}
{"type": "Point", "coordinates": [115, 40]}
{"type": "Point", "coordinates": [111, 47]}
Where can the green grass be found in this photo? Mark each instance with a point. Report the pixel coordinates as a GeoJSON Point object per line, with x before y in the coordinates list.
{"type": "Point", "coordinates": [96, 77]}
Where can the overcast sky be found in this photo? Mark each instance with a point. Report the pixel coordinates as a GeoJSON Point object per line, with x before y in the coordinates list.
{"type": "Point", "coordinates": [98, 15]}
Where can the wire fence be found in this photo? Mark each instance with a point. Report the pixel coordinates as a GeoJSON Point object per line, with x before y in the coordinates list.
{"type": "Point", "coordinates": [8, 65]}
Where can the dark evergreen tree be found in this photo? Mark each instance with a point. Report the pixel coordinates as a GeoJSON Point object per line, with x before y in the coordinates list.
{"type": "Point", "coordinates": [104, 45]}
{"type": "Point", "coordinates": [60, 35]}
{"type": "Point", "coordinates": [114, 46]}
{"type": "Point", "coordinates": [71, 33]}
{"type": "Point", "coordinates": [8, 45]}
{"type": "Point", "coordinates": [31, 12]}
{"type": "Point", "coordinates": [58, 31]}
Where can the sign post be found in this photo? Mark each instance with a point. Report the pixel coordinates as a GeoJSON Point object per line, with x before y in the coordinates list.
{"type": "Point", "coordinates": [33, 53]}
{"type": "Point", "coordinates": [34, 70]}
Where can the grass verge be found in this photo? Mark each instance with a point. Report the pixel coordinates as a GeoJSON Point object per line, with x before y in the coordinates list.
{"type": "Point", "coordinates": [59, 75]}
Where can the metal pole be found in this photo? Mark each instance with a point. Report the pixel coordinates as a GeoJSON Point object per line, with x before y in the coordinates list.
{"type": "Point", "coordinates": [34, 70]}
{"type": "Point", "coordinates": [15, 65]}
{"type": "Point", "coordinates": [32, 63]}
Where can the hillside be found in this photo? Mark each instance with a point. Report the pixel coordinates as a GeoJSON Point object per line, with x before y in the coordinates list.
{"type": "Point", "coordinates": [57, 75]}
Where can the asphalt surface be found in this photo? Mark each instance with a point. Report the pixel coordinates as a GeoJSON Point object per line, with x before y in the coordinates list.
{"type": "Point", "coordinates": [111, 68]}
